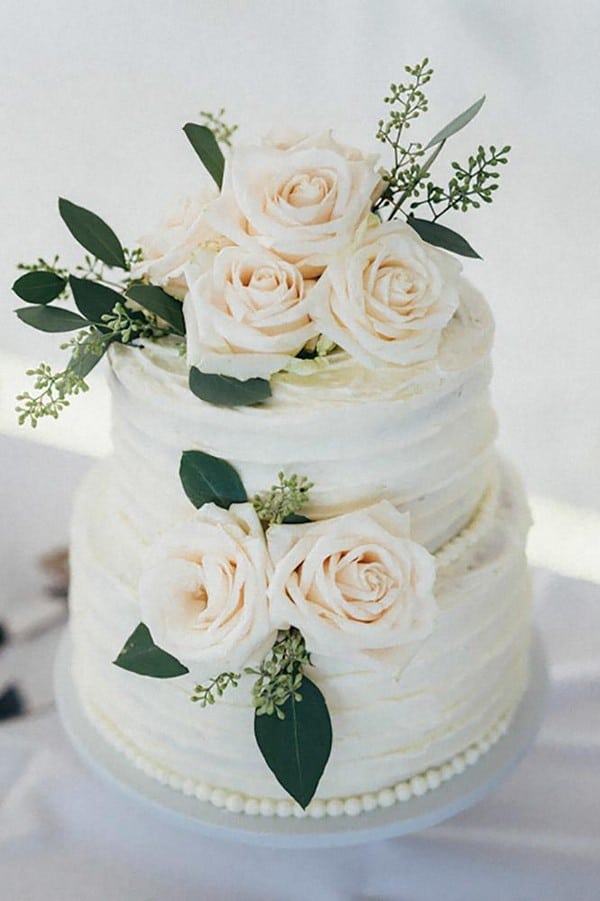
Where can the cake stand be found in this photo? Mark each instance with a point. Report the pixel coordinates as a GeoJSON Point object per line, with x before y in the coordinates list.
{"type": "Point", "coordinates": [459, 793]}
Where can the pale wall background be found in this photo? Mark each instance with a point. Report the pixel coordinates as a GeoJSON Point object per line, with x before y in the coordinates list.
{"type": "Point", "coordinates": [93, 97]}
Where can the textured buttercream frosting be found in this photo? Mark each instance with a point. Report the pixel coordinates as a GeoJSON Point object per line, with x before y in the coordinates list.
{"type": "Point", "coordinates": [419, 436]}
{"type": "Point", "coordinates": [466, 677]}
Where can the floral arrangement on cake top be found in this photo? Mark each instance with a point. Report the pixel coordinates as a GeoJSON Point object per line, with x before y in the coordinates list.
{"type": "Point", "coordinates": [301, 250]}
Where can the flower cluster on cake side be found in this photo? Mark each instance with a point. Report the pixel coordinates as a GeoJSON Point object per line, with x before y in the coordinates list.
{"type": "Point", "coordinates": [301, 251]}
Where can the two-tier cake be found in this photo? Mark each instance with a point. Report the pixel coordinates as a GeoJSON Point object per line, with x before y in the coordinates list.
{"type": "Point", "coordinates": [298, 583]}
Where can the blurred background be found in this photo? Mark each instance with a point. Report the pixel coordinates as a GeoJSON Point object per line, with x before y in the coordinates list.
{"type": "Point", "coordinates": [93, 99]}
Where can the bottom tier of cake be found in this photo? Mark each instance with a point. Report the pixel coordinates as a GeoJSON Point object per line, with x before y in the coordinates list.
{"type": "Point", "coordinates": [393, 738]}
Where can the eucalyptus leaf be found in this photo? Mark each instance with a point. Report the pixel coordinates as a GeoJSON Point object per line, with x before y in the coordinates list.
{"type": "Point", "coordinates": [140, 655]}
{"type": "Point", "coordinates": [39, 287]}
{"type": "Point", "coordinates": [51, 319]}
{"type": "Point", "coordinates": [92, 299]}
{"type": "Point", "coordinates": [226, 391]}
{"type": "Point", "coordinates": [440, 236]}
{"type": "Point", "coordinates": [293, 519]}
{"type": "Point", "coordinates": [296, 749]}
{"type": "Point", "coordinates": [157, 301]}
{"type": "Point", "coordinates": [457, 123]}
{"type": "Point", "coordinates": [208, 479]}
{"type": "Point", "coordinates": [205, 144]}
{"type": "Point", "coordinates": [92, 233]}
{"type": "Point", "coordinates": [87, 356]}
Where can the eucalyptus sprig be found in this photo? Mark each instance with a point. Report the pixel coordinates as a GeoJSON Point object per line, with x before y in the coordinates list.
{"type": "Point", "coordinates": [219, 127]}
{"type": "Point", "coordinates": [91, 268]}
{"type": "Point", "coordinates": [471, 185]}
{"type": "Point", "coordinates": [408, 186]}
{"type": "Point", "coordinates": [279, 677]}
{"type": "Point", "coordinates": [283, 500]}
{"type": "Point", "coordinates": [280, 674]}
{"type": "Point", "coordinates": [205, 695]}
{"type": "Point", "coordinates": [87, 348]}
{"type": "Point", "coordinates": [105, 309]}
{"type": "Point", "coordinates": [54, 390]}
{"type": "Point", "coordinates": [43, 265]}
{"type": "Point", "coordinates": [407, 102]}
{"type": "Point", "coordinates": [125, 325]}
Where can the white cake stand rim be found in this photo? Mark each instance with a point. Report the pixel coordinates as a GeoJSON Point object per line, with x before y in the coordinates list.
{"type": "Point", "coordinates": [402, 818]}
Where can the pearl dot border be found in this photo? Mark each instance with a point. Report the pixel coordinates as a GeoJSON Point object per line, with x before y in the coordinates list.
{"type": "Point", "coordinates": [352, 806]}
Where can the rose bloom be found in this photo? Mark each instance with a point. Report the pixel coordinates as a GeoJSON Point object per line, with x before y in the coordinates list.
{"type": "Point", "coordinates": [203, 590]}
{"type": "Point", "coordinates": [356, 586]}
{"type": "Point", "coordinates": [387, 298]}
{"type": "Point", "coordinates": [172, 245]}
{"type": "Point", "coordinates": [301, 199]}
{"type": "Point", "coordinates": [246, 314]}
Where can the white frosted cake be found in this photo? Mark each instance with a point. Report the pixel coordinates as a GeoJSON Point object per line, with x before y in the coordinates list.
{"type": "Point", "coordinates": [299, 583]}
{"type": "Point", "coordinates": [424, 442]}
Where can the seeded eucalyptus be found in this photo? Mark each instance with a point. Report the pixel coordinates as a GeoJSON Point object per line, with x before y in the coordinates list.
{"type": "Point", "coordinates": [284, 501]}
{"type": "Point", "coordinates": [53, 392]}
{"type": "Point", "coordinates": [292, 726]}
{"type": "Point", "coordinates": [407, 102]}
{"type": "Point", "coordinates": [408, 183]}
{"type": "Point", "coordinates": [280, 674]}
{"type": "Point", "coordinates": [42, 265]}
{"type": "Point", "coordinates": [87, 348]}
{"type": "Point", "coordinates": [215, 688]}
{"type": "Point", "coordinates": [219, 127]}
{"type": "Point", "coordinates": [105, 313]}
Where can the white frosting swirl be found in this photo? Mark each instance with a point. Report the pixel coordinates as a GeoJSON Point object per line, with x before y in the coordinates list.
{"type": "Point", "coordinates": [420, 437]}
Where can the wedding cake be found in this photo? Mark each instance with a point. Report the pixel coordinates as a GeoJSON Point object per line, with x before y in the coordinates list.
{"type": "Point", "coordinates": [298, 584]}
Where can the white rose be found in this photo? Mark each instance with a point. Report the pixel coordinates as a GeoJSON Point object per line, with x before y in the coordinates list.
{"type": "Point", "coordinates": [387, 299]}
{"type": "Point", "coordinates": [247, 315]}
{"type": "Point", "coordinates": [356, 586]}
{"type": "Point", "coordinates": [203, 590]}
{"type": "Point", "coordinates": [284, 138]}
{"type": "Point", "coordinates": [302, 200]}
{"type": "Point", "coordinates": [169, 248]}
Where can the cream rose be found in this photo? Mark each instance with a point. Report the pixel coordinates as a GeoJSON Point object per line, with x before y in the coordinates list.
{"type": "Point", "coordinates": [171, 246]}
{"type": "Point", "coordinates": [203, 590]}
{"type": "Point", "coordinates": [356, 586]}
{"type": "Point", "coordinates": [246, 314]}
{"type": "Point", "coordinates": [302, 200]}
{"type": "Point", "coordinates": [387, 299]}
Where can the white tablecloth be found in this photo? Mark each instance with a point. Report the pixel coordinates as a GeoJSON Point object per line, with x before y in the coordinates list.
{"type": "Point", "coordinates": [65, 835]}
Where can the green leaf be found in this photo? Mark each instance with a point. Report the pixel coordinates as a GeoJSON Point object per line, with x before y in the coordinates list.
{"type": "Point", "coordinates": [140, 655]}
{"type": "Point", "coordinates": [457, 123]}
{"type": "Point", "coordinates": [207, 479]}
{"type": "Point", "coordinates": [87, 357]}
{"type": "Point", "coordinates": [296, 749]}
{"type": "Point", "coordinates": [157, 301]}
{"type": "Point", "coordinates": [93, 299]}
{"type": "Point", "coordinates": [295, 519]}
{"type": "Point", "coordinates": [225, 391]}
{"type": "Point", "coordinates": [39, 287]}
{"type": "Point", "coordinates": [92, 233]}
{"type": "Point", "coordinates": [51, 319]}
{"type": "Point", "coordinates": [440, 236]}
{"type": "Point", "coordinates": [205, 144]}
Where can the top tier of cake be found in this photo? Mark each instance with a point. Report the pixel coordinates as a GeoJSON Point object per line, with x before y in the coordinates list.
{"type": "Point", "coordinates": [420, 436]}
